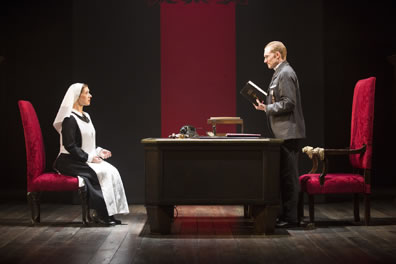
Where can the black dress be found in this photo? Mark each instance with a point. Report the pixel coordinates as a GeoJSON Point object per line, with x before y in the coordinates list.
{"type": "Point", "coordinates": [75, 163]}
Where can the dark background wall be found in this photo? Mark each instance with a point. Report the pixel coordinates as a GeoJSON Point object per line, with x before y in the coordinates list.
{"type": "Point", "coordinates": [300, 28]}
{"type": "Point", "coordinates": [116, 49]}
{"type": "Point", "coordinates": [114, 46]}
{"type": "Point", "coordinates": [36, 43]}
{"type": "Point", "coordinates": [358, 39]}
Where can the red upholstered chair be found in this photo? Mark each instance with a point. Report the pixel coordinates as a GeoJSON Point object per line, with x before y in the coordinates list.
{"type": "Point", "coordinates": [359, 151]}
{"type": "Point", "coordinates": [37, 180]}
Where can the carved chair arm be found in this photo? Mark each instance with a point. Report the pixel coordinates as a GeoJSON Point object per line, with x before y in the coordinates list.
{"type": "Point", "coordinates": [346, 151]}
{"type": "Point", "coordinates": [333, 152]}
{"type": "Point", "coordinates": [317, 154]}
{"type": "Point", "coordinates": [311, 153]}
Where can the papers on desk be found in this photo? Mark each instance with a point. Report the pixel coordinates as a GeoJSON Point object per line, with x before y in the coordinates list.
{"type": "Point", "coordinates": [225, 118]}
{"type": "Point", "coordinates": [244, 135]}
{"type": "Point", "coordinates": [233, 136]}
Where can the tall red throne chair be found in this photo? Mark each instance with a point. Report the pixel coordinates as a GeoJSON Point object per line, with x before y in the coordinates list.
{"type": "Point", "coordinates": [360, 154]}
{"type": "Point", "coordinates": [39, 181]}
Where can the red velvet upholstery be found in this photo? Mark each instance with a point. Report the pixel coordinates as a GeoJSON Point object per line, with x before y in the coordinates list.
{"type": "Point", "coordinates": [334, 183]}
{"type": "Point", "coordinates": [362, 122]}
{"type": "Point", "coordinates": [37, 180]}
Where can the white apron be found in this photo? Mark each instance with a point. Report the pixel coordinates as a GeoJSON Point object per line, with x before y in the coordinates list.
{"type": "Point", "coordinates": [108, 176]}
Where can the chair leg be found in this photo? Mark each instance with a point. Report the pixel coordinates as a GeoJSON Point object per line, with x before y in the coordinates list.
{"type": "Point", "coordinates": [311, 202]}
{"type": "Point", "coordinates": [34, 204]}
{"type": "Point", "coordinates": [84, 205]}
{"type": "Point", "coordinates": [300, 207]}
{"type": "Point", "coordinates": [356, 207]}
{"type": "Point", "coordinates": [367, 208]}
{"type": "Point", "coordinates": [247, 211]}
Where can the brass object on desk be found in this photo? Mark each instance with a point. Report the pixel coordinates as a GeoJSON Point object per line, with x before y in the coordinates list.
{"type": "Point", "coordinates": [225, 121]}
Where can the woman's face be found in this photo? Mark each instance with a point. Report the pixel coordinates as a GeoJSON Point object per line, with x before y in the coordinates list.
{"type": "Point", "coordinates": [85, 97]}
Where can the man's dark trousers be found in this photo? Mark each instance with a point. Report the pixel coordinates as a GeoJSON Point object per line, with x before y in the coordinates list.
{"type": "Point", "coordinates": [289, 184]}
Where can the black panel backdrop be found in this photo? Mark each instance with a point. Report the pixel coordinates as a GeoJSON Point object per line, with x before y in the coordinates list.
{"type": "Point", "coordinates": [116, 51]}
{"type": "Point", "coordinates": [36, 43]}
{"type": "Point", "coordinates": [263, 21]}
{"type": "Point", "coordinates": [359, 36]}
{"type": "Point", "coordinates": [114, 46]}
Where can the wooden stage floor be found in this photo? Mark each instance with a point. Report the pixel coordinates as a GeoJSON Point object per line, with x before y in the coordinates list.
{"type": "Point", "coordinates": [200, 234]}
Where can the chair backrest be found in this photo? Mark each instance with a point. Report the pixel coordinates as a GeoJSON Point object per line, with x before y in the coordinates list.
{"type": "Point", "coordinates": [362, 122]}
{"type": "Point", "coordinates": [35, 152]}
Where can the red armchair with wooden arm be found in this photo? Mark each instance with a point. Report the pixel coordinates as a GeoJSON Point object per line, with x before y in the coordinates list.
{"type": "Point", "coordinates": [360, 154]}
{"type": "Point", "coordinates": [37, 180]}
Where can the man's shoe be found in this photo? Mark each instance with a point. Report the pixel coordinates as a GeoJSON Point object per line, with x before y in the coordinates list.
{"type": "Point", "coordinates": [281, 223]}
{"type": "Point", "coordinates": [116, 221]}
{"type": "Point", "coordinates": [285, 224]}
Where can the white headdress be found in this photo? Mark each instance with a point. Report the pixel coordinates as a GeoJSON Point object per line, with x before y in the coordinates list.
{"type": "Point", "coordinates": [65, 109]}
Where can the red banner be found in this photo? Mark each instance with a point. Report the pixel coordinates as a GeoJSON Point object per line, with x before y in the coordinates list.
{"type": "Point", "coordinates": [197, 64]}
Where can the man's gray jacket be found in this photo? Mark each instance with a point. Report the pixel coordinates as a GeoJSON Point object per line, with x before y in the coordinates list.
{"type": "Point", "coordinates": [284, 110]}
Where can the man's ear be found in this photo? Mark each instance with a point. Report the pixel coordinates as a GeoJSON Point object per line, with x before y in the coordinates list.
{"type": "Point", "coordinates": [278, 55]}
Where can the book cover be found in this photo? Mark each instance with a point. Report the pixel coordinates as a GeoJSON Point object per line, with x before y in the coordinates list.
{"type": "Point", "coordinates": [252, 92]}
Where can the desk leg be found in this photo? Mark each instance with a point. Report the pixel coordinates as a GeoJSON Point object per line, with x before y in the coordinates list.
{"type": "Point", "coordinates": [264, 218]}
{"type": "Point", "coordinates": [247, 211]}
{"type": "Point", "coordinates": [159, 218]}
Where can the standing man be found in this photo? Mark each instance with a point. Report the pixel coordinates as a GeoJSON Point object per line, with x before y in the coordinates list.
{"type": "Point", "coordinates": [286, 121]}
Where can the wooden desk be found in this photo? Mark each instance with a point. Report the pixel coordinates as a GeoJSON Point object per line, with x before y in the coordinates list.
{"type": "Point", "coordinates": [226, 121]}
{"type": "Point", "coordinates": [211, 172]}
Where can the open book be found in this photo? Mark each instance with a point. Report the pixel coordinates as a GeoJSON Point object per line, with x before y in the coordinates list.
{"type": "Point", "coordinates": [252, 92]}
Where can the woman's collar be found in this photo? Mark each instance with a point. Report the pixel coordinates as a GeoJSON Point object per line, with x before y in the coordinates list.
{"type": "Point", "coordinates": [77, 112]}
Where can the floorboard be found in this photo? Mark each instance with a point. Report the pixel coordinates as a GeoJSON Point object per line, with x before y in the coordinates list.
{"type": "Point", "coordinates": [199, 234]}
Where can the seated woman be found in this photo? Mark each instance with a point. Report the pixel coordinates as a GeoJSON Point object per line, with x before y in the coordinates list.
{"type": "Point", "coordinates": [80, 157]}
